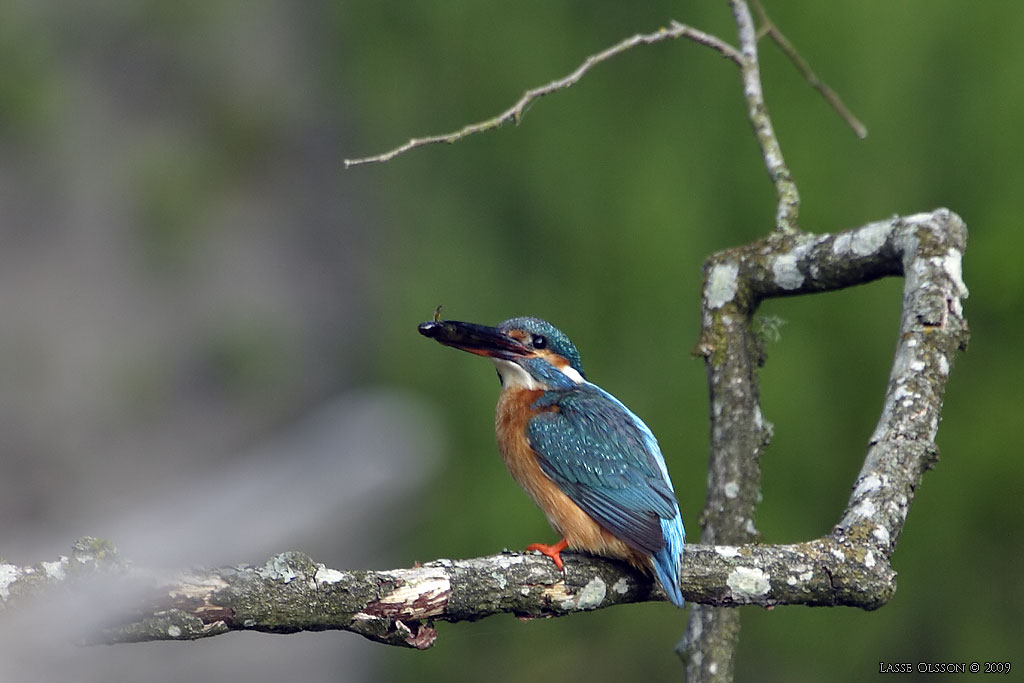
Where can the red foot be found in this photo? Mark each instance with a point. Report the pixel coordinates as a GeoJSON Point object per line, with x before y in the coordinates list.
{"type": "Point", "coordinates": [552, 551]}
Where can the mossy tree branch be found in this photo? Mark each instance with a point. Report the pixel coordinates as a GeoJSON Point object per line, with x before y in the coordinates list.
{"type": "Point", "coordinates": [926, 249]}
{"type": "Point", "coordinates": [850, 566]}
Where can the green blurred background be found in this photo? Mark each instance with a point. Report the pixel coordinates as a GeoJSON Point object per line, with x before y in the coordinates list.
{"type": "Point", "coordinates": [596, 213]}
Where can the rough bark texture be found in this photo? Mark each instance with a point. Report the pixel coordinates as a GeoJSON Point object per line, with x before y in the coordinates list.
{"type": "Point", "coordinates": [291, 592]}
{"type": "Point", "coordinates": [927, 250]}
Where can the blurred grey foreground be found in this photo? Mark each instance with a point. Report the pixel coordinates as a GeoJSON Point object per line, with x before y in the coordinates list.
{"type": "Point", "coordinates": [332, 485]}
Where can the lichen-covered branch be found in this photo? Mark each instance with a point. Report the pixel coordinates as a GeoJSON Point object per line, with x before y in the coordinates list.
{"type": "Point", "coordinates": [291, 592]}
{"type": "Point", "coordinates": [739, 432]}
{"type": "Point", "coordinates": [927, 250]}
{"type": "Point", "coordinates": [517, 111]}
{"type": "Point", "coordinates": [850, 566]}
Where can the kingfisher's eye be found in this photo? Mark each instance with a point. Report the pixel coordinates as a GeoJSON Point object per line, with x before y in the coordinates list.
{"type": "Point", "coordinates": [539, 342]}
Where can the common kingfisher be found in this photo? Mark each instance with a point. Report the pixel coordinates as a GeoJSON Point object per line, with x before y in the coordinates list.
{"type": "Point", "coordinates": [585, 459]}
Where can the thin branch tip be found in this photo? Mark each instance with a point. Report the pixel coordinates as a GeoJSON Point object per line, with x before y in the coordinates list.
{"type": "Point", "coordinates": [770, 28]}
{"type": "Point", "coordinates": [517, 111]}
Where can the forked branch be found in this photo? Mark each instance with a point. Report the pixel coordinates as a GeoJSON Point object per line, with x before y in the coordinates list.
{"type": "Point", "coordinates": [926, 249]}
{"type": "Point", "coordinates": [849, 567]}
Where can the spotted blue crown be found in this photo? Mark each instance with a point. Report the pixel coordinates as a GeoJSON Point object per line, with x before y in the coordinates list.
{"type": "Point", "coordinates": [549, 337]}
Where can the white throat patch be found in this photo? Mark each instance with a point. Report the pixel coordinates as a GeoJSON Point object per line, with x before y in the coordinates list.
{"type": "Point", "coordinates": [514, 377]}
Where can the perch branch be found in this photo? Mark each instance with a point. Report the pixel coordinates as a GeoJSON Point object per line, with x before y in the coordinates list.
{"type": "Point", "coordinates": [517, 111]}
{"type": "Point", "coordinates": [850, 566]}
{"type": "Point", "coordinates": [292, 593]}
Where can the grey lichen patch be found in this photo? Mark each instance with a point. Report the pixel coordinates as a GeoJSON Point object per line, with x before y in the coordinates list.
{"type": "Point", "coordinates": [9, 573]}
{"type": "Point", "coordinates": [278, 568]}
{"type": "Point", "coordinates": [89, 552]}
{"type": "Point", "coordinates": [952, 264]}
{"type": "Point", "coordinates": [326, 575]}
{"type": "Point", "coordinates": [867, 485]}
{"type": "Point", "coordinates": [804, 575]}
{"type": "Point", "coordinates": [499, 579]}
{"type": "Point", "coordinates": [870, 238]}
{"type": "Point", "coordinates": [864, 509]}
{"type": "Point", "coordinates": [747, 583]}
{"type": "Point", "coordinates": [786, 271]}
{"type": "Point", "coordinates": [56, 570]}
{"type": "Point", "coordinates": [288, 566]}
{"type": "Point", "coordinates": [864, 241]}
{"type": "Point", "coordinates": [504, 561]}
{"type": "Point", "coordinates": [722, 284]}
{"type": "Point", "coordinates": [17, 582]}
{"type": "Point", "coordinates": [593, 594]}
{"type": "Point", "coordinates": [589, 597]}
{"type": "Point", "coordinates": [564, 598]}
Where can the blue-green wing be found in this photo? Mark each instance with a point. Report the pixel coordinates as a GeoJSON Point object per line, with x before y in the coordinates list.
{"type": "Point", "coordinates": [607, 461]}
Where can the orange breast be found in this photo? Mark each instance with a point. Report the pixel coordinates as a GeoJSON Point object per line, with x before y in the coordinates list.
{"type": "Point", "coordinates": [579, 530]}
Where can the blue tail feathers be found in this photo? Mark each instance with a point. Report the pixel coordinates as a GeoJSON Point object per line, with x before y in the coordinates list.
{"type": "Point", "coordinates": [668, 561]}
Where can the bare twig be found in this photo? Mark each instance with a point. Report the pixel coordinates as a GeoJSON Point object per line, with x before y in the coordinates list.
{"type": "Point", "coordinates": [746, 58]}
{"type": "Point", "coordinates": [769, 27]}
{"type": "Point", "coordinates": [517, 111]}
{"type": "Point", "coordinates": [786, 194]}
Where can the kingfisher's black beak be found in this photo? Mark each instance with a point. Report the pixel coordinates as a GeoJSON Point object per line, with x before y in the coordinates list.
{"type": "Point", "coordinates": [478, 339]}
